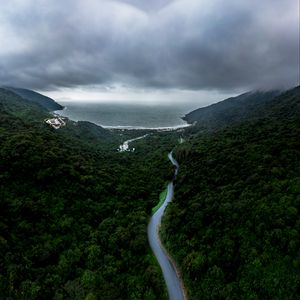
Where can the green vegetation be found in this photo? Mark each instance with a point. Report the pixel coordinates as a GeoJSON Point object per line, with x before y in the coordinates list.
{"type": "Point", "coordinates": [74, 214]}
{"type": "Point", "coordinates": [32, 96]}
{"type": "Point", "coordinates": [231, 111]}
{"type": "Point", "coordinates": [162, 197]}
{"type": "Point", "coordinates": [234, 225]}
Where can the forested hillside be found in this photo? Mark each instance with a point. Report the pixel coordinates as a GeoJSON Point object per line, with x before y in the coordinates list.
{"type": "Point", "coordinates": [74, 212]}
{"type": "Point", "coordinates": [231, 111]}
{"type": "Point", "coordinates": [16, 109]}
{"type": "Point", "coordinates": [37, 98]}
{"type": "Point", "coordinates": [234, 225]}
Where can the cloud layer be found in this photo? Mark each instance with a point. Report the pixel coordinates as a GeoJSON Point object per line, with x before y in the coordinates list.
{"type": "Point", "coordinates": [159, 44]}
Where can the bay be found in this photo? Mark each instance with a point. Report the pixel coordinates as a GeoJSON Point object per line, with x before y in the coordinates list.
{"type": "Point", "coordinates": [123, 115]}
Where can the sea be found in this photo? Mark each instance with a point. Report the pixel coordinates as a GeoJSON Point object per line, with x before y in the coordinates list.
{"type": "Point", "coordinates": [126, 116]}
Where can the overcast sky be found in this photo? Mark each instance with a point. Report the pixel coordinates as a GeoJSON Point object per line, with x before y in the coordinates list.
{"type": "Point", "coordinates": [184, 50]}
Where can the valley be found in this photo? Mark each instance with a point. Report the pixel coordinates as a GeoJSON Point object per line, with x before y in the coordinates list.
{"type": "Point", "coordinates": [75, 212]}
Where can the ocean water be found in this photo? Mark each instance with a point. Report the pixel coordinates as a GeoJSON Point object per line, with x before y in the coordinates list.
{"type": "Point", "coordinates": [113, 115]}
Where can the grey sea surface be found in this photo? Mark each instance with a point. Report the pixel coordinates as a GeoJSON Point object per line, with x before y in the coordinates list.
{"type": "Point", "coordinates": [131, 116]}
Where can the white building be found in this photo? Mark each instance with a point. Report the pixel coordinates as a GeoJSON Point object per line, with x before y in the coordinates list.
{"type": "Point", "coordinates": [56, 122]}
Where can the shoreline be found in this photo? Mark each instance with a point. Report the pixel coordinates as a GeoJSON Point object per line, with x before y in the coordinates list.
{"type": "Point", "coordinates": [166, 128]}
{"type": "Point", "coordinates": [127, 127]}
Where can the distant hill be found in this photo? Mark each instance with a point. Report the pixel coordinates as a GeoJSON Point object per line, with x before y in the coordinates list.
{"type": "Point", "coordinates": [14, 106]}
{"type": "Point", "coordinates": [231, 110]}
{"type": "Point", "coordinates": [33, 96]}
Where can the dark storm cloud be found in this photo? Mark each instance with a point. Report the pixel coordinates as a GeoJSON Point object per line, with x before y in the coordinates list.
{"type": "Point", "coordinates": [188, 44]}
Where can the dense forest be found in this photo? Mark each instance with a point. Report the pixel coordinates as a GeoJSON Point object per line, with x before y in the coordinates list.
{"type": "Point", "coordinates": [234, 225]}
{"type": "Point", "coordinates": [74, 211]}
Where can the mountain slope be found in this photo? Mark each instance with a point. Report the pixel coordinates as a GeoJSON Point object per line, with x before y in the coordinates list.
{"type": "Point", "coordinates": [234, 225]}
{"type": "Point", "coordinates": [285, 105]}
{"type": "Point", "coordinates": [14, 105]}
{"type": "Point", "coordinates": [33, 96]}
{"type": "Point", "coordinates": [33, 114]}
{"type": "Point", "coordinates": [73, 216]}
{"type": "Point", "coordinates": [231, 110]}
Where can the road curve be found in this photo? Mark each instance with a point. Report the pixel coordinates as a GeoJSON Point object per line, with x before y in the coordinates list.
{"type": "Point", "coordinates": [173, 282]}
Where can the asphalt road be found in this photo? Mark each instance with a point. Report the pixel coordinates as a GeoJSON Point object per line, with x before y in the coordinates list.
{"type": "Point", "coordinates": [173, 282]}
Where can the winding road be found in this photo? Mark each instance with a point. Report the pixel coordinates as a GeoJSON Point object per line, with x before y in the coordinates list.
{"type": "Point", "coordinates": [172, 279]}
{"type": "Point", "coordinates": [171, 275]}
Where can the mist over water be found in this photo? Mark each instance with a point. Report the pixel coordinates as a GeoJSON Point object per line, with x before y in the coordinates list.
{"type": "Point", "coordinates": [126, 115]}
